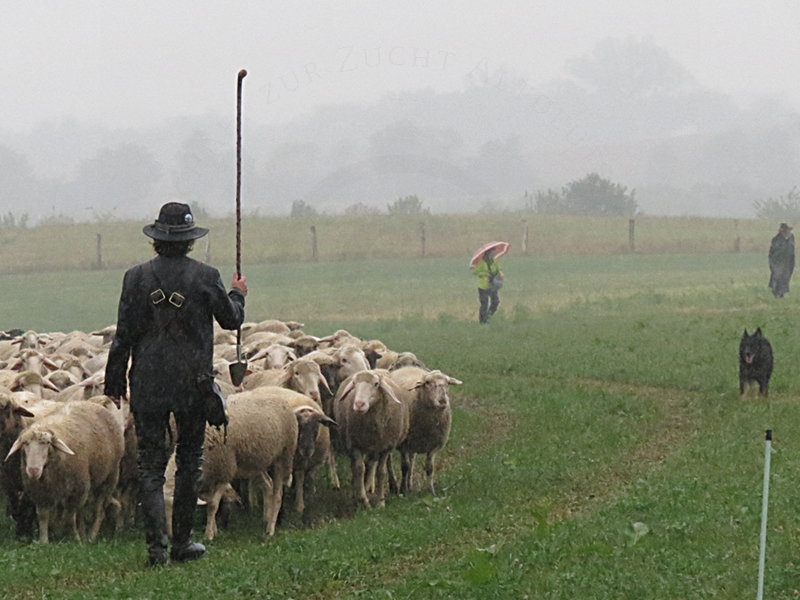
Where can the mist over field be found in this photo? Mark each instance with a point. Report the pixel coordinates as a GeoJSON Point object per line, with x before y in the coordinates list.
{"type": "Point", "coordinates": [465, 126]}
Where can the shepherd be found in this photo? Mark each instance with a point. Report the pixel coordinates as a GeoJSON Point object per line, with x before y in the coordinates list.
{"type": "Point", "coordinates": [165, 325]}
{"type": "Point", "coordinates": [490, 277]}
{"type": "Point", "coordinates": [781, 261]}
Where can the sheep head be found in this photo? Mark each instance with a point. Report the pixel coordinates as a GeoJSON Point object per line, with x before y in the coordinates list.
{"type": "Point", "coordinates": [305, 377]}
{"type": "Point", "coordinates": [434, 389]}
{"type": "Point", "coordinates": [367, 388]}
{"type": "Point", "coordinates": [39, 447]}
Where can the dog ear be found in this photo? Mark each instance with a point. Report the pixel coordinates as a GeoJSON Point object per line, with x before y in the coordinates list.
{"type": "Point", "coordinates": [745, 332]}
{"type": "Point", "coordinates": [757, 333]}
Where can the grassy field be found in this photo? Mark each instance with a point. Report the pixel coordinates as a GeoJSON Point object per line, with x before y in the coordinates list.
{"type": "Point", "coordinates": [600, 448]}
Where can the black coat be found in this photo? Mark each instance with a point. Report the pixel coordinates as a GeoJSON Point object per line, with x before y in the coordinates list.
{"type": "Point", "coordinates": [781, 263]}
{"type": "Point", "coordinates": [170, 345]}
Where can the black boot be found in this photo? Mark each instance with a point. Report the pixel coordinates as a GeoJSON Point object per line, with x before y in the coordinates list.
{"type": "Point", "coordinates": [155, 527]}
{"type": "Point", "coordinates": [185, 502]}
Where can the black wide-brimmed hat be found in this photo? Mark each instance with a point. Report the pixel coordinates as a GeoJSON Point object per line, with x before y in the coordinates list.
{"type": "Point", "coordinates": [784, 227]}
{"type": "Point", "coordinates": [175, 223]}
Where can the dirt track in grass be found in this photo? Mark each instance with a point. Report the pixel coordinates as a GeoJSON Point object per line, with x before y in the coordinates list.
{"type": "Point", "coordinates": [674, 431]}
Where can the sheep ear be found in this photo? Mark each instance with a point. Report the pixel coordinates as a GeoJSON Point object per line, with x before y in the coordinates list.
{"type": "Point", "coordinates": [291, 356]}
{"type": "Point", "coordinates": [389, 391]}
{"type": "Point", "coordinates": [453, 381]}
{"type": "Point", "coordinates": [50, 385]}
{"type": "Point", "coordinates": [417, 385]}
{"type": "Point", "coordinates": [16, 446]}
{"type": "Point", "coordinates": [285, 377]}
{"type": "Point", "coordinates": [347, 389]}
{"type": "Point", "coordinates": [60, 445]}
{"type": "Point", "coordinates": [22, 411]}
{"type": "Point", "coordinates": [327, 421]}
{"type": "Point", "coordinates": [324, 384]}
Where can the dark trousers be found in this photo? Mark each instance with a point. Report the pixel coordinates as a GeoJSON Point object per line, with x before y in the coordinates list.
{"type": "Point", "coordinates": [487, 310]}
{"type": "Point", "coordinates": [153, 437]}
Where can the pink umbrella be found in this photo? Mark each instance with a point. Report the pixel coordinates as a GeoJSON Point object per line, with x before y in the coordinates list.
{"type": "Point", "coordinates": [500, 249]}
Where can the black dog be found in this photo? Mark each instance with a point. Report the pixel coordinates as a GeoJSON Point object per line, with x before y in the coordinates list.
{"type": "Point", "coordinates": [755, 361]}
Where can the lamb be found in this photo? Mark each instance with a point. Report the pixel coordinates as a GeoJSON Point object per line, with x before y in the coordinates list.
{"type": "Point", "coordinates": [261, 443]}
{"type": "Point", "coordinates": [426, 393]}
{"type": "Point", "coordinates": [313, 443]}
{"type": "Point", "coordinates": [71, 456]}
{"type": "Point", "coordinates": [372, 422]}
{"type": "Point", "coordinates": [305, 377]}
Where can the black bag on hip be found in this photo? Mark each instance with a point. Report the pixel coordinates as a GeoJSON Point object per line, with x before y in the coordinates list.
{"type": "Point", "coordinates": [213, 402]}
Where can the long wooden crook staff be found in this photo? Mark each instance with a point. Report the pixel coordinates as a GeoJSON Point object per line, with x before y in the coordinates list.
{"type": "Point", "coordinates": [239, 368]}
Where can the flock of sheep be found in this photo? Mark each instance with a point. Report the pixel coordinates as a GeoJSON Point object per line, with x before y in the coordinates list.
{"type": "Point", "coordinates": [70, 453]}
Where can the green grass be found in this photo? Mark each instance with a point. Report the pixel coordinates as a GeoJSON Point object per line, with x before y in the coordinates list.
{"type": "Point", "coordinates": [604, 395]}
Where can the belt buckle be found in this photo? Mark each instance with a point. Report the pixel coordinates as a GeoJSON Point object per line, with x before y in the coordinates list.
{"type": "Point", "coordinates": [176, 299]}
{"type": "Point", "coordinates": [158, 296]}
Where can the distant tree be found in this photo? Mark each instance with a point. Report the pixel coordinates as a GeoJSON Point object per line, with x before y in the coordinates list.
{"type": "Point", "coordinates": [301, 209]}
{"type": "Point", "coordinates": [11, 221]}
{"type": "Point", "coordinates": [591, 195]}
{"type": "Point", "coordinates": [361, 209]}
{"type": "Point", "coordinates": [410, 205]}
{"type": "Point", "coordinates": [784, 208]}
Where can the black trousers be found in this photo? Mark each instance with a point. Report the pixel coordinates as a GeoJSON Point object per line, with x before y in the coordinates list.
{"type": "Point", "coordinates": [487, 310]}
{"type": "Point", "coordinates": [153, 437]}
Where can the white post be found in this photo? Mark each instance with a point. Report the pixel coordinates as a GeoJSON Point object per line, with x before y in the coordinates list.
{"type": "Point", "coordinates": [764, 505]}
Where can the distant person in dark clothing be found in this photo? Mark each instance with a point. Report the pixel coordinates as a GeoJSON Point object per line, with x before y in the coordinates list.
{"type": "Point", "coordinates": [781, 261]}
{"type": "Point", "coordinates": [165, 327]}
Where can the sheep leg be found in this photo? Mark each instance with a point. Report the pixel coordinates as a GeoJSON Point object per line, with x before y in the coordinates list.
{"type": "Point", "coordinates": [308, 491]}
{"type": "Point", "coordinates": [383, 458]}
{"type": "Point", "coordinates": [334, 476]}
{"type": "Point", "coordinates": [212, 506]}
{"type": "Point", "coordinates": [357, 468]}
{"type": "Point", "coordinates": [429, 470]}
{"type": "Point", "coordinates": [299, 491]}
{"type": "Point", "coordinates": [393, 489]}
{"type": "Point", "coordinates": [267, 484]}
{"type": "Point", "coordinates": [100, 514]}
{"type": "Point", "coordinates": [407, 466]}
{"type": "Point", "coordinates": [372, 465]}
{"type": "Point", "coordinates": [281, 477]}
{"type": "Point", "coordinates": [71, 519]}
{"type": "Point", "coordinates": [43, 515]}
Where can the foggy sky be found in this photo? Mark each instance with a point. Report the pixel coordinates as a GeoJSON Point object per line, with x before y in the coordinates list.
{"type": "Point", "coordinates": [130, 65]}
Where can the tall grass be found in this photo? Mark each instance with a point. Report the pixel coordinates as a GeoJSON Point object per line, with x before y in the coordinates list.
{"type": "Point", "coordinates": [342, 238]}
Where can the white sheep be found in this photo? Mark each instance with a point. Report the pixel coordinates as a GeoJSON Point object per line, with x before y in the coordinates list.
{"type": "Point", "coordinates": [71, 456]}
{"type": "Point", "coordinates": [260, 442]}
{"type": "Point", "coordinates": [426, 393]}
{"type": "Point", "coordinates": [372, 422]}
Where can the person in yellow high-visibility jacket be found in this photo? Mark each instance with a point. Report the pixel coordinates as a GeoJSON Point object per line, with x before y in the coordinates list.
{"type": "Point", "coordinates": [490, 280]}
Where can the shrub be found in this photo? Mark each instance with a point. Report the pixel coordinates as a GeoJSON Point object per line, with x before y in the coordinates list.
{"type": "Point", "coordinates": [591, 195]}
{"type": "Point", "coordinates": [301, 209]}
{"type": "Point", "coordinates": [410, 205]}
{"type": "Point", "coordinates": [785, 208]}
